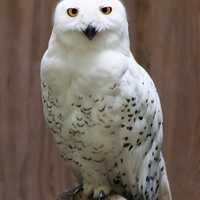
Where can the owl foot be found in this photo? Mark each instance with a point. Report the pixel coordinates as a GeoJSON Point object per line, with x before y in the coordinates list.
{"type": "Point", "coordinates": [100, 196]}
{"type": "Point", "coordinates": [73, 194]}
{"type": "Point", "coordinates": [101, 193]}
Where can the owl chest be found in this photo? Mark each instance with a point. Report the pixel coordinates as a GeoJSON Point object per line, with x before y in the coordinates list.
{"type": "Point", "coordinates": [92, 120]}
{"type": "Point", "coordinates": [90, 125]}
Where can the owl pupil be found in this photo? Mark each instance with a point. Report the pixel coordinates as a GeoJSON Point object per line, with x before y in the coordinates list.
{"type": "Point", "coordinates": [74, 11]}
{"type": "Point", "coordinates": [105, 10]}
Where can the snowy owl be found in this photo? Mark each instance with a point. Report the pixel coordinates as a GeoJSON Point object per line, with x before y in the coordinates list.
{"type": "Point", "coordinates": [100, 105]}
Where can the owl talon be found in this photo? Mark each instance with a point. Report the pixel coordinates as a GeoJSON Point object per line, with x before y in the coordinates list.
{"type": "Point", "coordinates": [77, 189]}
{"type": "Point", "coordinates": [70, 194]}
{"type": "Point", "coordinates": [101, 196]}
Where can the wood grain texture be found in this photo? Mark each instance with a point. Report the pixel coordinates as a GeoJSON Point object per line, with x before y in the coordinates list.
{"type": "Point", "coordinates": [165, 36]}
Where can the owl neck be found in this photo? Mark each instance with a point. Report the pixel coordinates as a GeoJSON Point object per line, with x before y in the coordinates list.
{"type": "Point", "coordinates": [98, 68]}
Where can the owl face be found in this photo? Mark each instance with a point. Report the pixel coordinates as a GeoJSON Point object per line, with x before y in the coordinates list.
{"type": "Point", "coordinates": [90, 21]}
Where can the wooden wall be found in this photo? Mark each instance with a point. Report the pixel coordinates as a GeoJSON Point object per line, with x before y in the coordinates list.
{"type": "Point", "coordinates": [165, 36]}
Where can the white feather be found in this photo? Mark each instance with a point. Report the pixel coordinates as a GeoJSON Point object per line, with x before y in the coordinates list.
{"type": "Point", "coordinates": [90, 89]}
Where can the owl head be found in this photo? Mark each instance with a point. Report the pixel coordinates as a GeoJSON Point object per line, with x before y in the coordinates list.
{"type": "Point", "coordinates": [91, 22]}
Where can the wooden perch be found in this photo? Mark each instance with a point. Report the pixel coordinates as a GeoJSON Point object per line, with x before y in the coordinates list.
{"type": "Point", "coordinates": [81, 196]}
{"type": "Point", "coordinates": [76, 193]}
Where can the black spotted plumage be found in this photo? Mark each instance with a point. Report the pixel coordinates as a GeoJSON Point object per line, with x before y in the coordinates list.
{"type": "Point", "coordinates": [101, 106]}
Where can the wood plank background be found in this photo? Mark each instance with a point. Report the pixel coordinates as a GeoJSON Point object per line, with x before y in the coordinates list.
{"type": "Point", "coordinates": [165, 37]}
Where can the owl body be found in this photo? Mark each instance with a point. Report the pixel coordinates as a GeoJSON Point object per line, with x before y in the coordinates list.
{"type": "Point", "coordinates": [101, 106]}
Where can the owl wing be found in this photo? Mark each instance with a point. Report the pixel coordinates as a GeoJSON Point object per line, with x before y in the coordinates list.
{"type": "Point", "coordinates": [142, 130]}
{"type": "Point", "coordinates": [53, 112]}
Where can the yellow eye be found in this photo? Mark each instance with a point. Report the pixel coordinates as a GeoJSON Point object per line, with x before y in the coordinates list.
{"type": "Point", "coordinates": [106, 10]}
{"type": "Point", "coordinates": [72, 12]}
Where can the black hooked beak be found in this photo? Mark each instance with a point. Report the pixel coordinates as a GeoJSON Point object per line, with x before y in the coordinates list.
{"type": "Point", "coordinates": [90, 32]}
